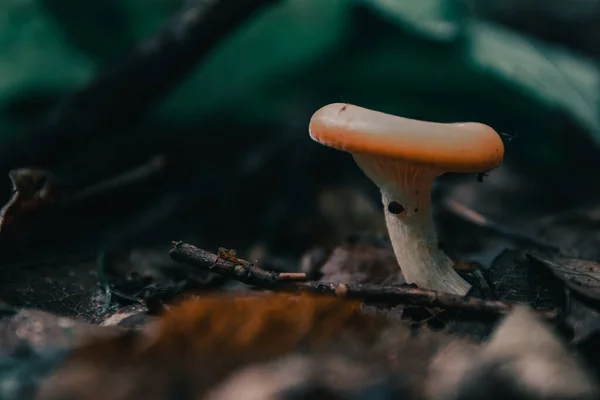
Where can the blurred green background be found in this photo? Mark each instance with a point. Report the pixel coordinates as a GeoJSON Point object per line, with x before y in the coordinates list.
{"type": "Point", "coordinates": [252, 97]}
{"type": "Point", "coordinates": [430, 59]}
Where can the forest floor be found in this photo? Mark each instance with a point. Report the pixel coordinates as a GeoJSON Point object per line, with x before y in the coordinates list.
{"type": "Point", "coordinates": [262, 269]}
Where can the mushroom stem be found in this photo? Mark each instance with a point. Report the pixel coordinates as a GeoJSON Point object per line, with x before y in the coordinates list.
{"type": "Point", "coordinates": [407, 207]}
{"type": "Point", "coordinates": [417, 250]}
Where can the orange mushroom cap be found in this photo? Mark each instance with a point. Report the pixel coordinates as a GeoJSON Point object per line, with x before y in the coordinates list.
{"type": "Point", "coordinates": [456, 147]}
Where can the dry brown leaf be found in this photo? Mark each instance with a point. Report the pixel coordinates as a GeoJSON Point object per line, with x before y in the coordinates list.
{"type": "Point", "coordinates": [32, 190]}
{"type": "Point", "coordinates": [583, 320]}
{"type": "Point", "coordinates": [524, 358]}
{"type": "Point", "coordinates": [576, 232]}
{"type": "Point", "coordinates": [40, 329]}
{"type": "Point", "coordinates": [512, 277]}
{"type": "Point", "coordinates": [363, 259]}
{"type": "Point", "coordinates": [582, 276]}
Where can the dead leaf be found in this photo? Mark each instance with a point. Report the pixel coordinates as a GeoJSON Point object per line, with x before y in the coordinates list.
{"type": "Point", "coordinates": [523, 359]}
{"type": "Point", "coordinates": [130, 317]}
{"type": "Point", "coordinates": [305, 377]}
{"type": "Point", "coordinates": [576, 232]}
{"type": "Point", "coordinates": [583, 276]}
{"type": "Point", "coordinates": [193, 347]}
{"type": "Point", "coordinates": [32, 190]}
{"type": "Point", "coordinates": [537, 357]}
{"type": "Point", "coordinates": [40, 329]}
{"type": "Point", "coordinates": [363, 259]}
{"type": "Point", "coordinates": [450, 366]}
{"type": "Point", "coordinates": [513, 277]}
{"type": "Point", "coordinates": [582, 319]}
{"type": "Point", "coordinates": [312, 261]}
{"type": "Point", "coordinates": [469, 236]}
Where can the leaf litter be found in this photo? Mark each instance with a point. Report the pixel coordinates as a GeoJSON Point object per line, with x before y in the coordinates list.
{"type": "Point", "coordinates": [79, 348]}
{"type": "Point", "coordinates": [459, 357]}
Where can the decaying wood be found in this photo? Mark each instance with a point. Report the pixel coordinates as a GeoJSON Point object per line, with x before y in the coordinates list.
{"type": "Point", "coordinates": [250, 274]}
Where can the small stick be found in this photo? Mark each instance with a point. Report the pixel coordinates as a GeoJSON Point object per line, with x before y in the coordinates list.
{"type": "Point", "coordinates": [126, 179]}
{"type": "Point", "coordinates": [478, 219]}
{"type": "Point", "coordinates": [248, 273]}
{"type": "Point", "coordinates": [293, 276]}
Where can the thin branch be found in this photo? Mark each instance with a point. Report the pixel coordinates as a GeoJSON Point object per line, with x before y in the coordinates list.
{"type": "Point", "coordinates": [293, 276]}
{"type": "Point", "coordinates": [123, 93]}
{"type": "Point", "coordinates": [248, 273]}
{"type": "Point", "coordinates": [127, 179]}
{"type": "Point", "coordinates": [475, 218]}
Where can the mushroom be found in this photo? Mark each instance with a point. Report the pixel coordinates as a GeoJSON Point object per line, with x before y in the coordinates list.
{"type": "Point", "coordinates": [402, 157]}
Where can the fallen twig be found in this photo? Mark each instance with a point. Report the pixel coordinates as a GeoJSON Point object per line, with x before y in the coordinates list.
{"type": "Point", "coordinates": [123, 93]}
{"type": "Point", "coordinates": [292, 276]}
{"type": "Point", "coordinates": [127, 179]}
{"type": "Point", "coordinates": [248, 273]}
{"type": "Point", "coordinates": [478, 219]}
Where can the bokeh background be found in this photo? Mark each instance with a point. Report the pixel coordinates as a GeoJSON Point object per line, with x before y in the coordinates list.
{"type": "Point", "coordinates": [237, 166]}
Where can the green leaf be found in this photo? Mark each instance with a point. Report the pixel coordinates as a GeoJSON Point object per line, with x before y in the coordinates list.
{"type": "Point", "coordinates": [549, 76]}
{"type": "Point", "coordinates": [432, 19]}
{"type": "Point", "coordinates": [35, 57]}
{"type": "Point", "coordinates": [545, 73]}
{"type": "Point", "coordinates": [239, 76]}
{"type": "Point", "coordinates": [84, 25]}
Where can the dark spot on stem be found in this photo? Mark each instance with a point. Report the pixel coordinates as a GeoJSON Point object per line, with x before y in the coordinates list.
{"type": "Point", "coordinates": [395, 208]}
{"type": "Point", "coordinates": [416, 210]}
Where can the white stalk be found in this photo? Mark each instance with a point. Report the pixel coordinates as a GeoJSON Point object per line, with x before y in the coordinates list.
{"type": "Point", "coordinates": [417, 250]}
{"type": "Point", "coordinates": [412, 231]}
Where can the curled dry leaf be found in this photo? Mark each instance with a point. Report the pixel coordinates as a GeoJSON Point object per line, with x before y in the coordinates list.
{"type": "Point", "coordinates": [363, 259]}
{"type": "Point", "coordinates": [583, 319]}
{"type": "Point", "coordinates": [132, 317]}
{"type": "Point", "coordinates": [524, 358]}
{"type": "Point", "coordinates": [449, 366]}
{"type": "Point", "coordinates": [312, 261]}
{"type": "Point", "coordinates": [537, 358]}
{"type": "Point", "coordinates": [305, 377]}
{"type": "Point", "coordinates": [40, 329]}
{"type": "Point", "coordinates": [266, 381]}
{"type": "Point", "coordinates": [583, 276]}
{"type": "Point", "coordinates": [513, 277]}
{"type": "Point", "coordinates": [574, 231]}
{"type": "Point", "coordinates": [32, 189]}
